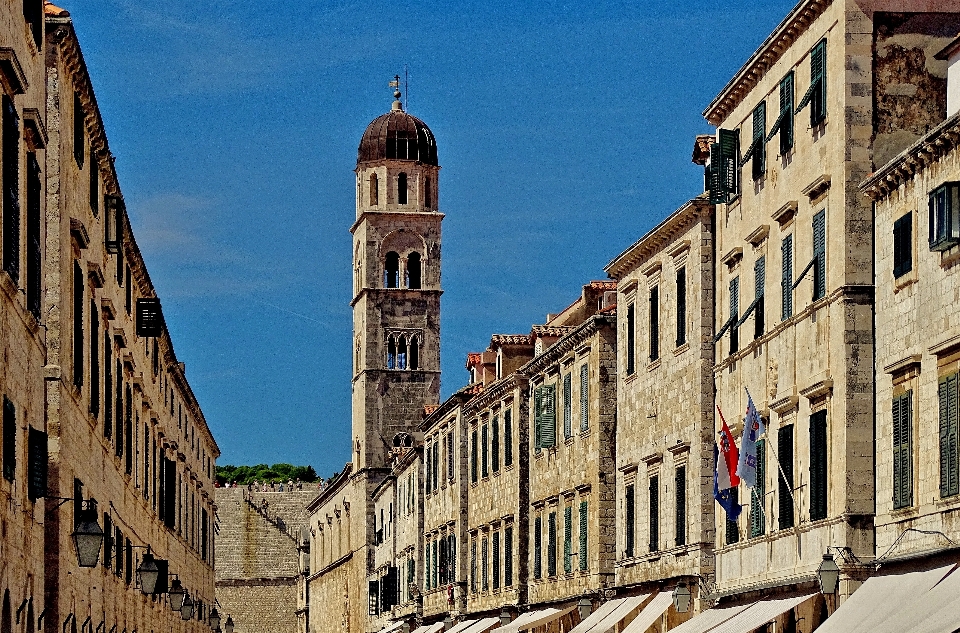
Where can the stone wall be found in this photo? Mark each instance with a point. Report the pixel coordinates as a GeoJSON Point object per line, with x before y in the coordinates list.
{"type": "Point", "coordinates": [257, 556]}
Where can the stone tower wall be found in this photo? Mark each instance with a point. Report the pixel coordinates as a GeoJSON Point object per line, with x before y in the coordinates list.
{"type": "Point", "coordinates": [256, 554]}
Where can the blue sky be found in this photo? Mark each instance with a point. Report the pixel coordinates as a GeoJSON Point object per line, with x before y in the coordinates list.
{"type": "Point", "coordinates": [564, 129]}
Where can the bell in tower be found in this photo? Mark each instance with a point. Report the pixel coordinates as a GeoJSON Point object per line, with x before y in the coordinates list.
{"type": "Point", "coordinates": [396, 268]}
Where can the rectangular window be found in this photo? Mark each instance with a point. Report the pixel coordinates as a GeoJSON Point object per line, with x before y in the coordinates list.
{"type": "Point", "coordinates": [495, 445]}
{"type": "Point", "coordinates": [567, 406]}
{"type": "Point", "coordinates": [34, 192]}
{"type": "Point", "coordinates": [552, 544]}
{"type": "Point", "coordinates": [582, 551]}
{"type": "Point", "coordinates": [450, 448]}
{"type": "Point", "coordinates": [544, 399]}
{"type": "Point", "coordinates": [903, 245]}
{"type": "Point", "coordinates": [784, 123]}
{"type": "Point", "coordinates": [757, 150]}
{"type": "Point", "coordinates": [36, 464]}
{"type": "Point", "coordinates": [734, 314]}
{"type": "Point", "coordinates": [77, 325]}
{"type": "Point", "coordinates": [473, 455]}
{"type": "Point", "coordinates": [11, 188]}
{"type": "Point", "coordinates": [629, 513]}
{"type": "Point", "coordinates": [816, 95]}
{"type": "Point", "coordinates": [785, 486]}
{"type": "Point", "coordinates": [757, 521]}
{"type": "Point", "coordinates": [819, 255]}
{"type": "Point", "coordinates": [508, 437]}
{"type": "Point", "coordinates": [949, 436]}
{"type": "Point", "coordinates": [496, 560]}
{"type": "Point", "coordinates": [732, 529]}
{"type": "Point", "coordinates": [537, 547]}
{"type": "Point", "coordinates": [944, 209]}
{"type": "Point", "coordinates": [681, 306]}
{"type": "Point", "coordinates": [654, 514]}
{"type": "Point", "coordinates": [78, 130]}
{"type": "Point", "coordinates": [427, 454]}
{"type": "Point", "coordinates": [94, 360]}
{"type": "Point", "coordinates": [584, 397]}
{"type": "Point", "coordinates": [759, 279]}
{"type": "Point", "coordinates": [484, 450]}
{"type": "Point", "coordinates": [9, 439]}
{"type": "Point", "coordinates": [786, 280]}
{"type": "Point", "coordinates": [723, 171]}
{"type": "Point", "coordinates": [373, 597]}
{"type": "Point", "coordinates": [435, 567]}
{"type": "Point", "coordinates": [128, 432]}
{"type": "Point", "coordinates": [568, 539]}
{"type": "Point", "coordinates": [107, 384]}
{"type": "Point", "coordinates": [903, 450]}
{"type": "Point", "coordinates": [426, 565]}
{"type": "Point", "coordinates": [818, 466]}
{"type": "Point", "coordinates": [680, 503]}
{"type": "Point", "coordinates": [654, 323]}
{"type": "Point", "coordinates": [631, 341]}
{"type": "Point", "coordinates": [436, 462]}
{"type": "Point", "coordinates": [129, 292]}
{"type": "Point", "coordinates": [508, 556]}
{"type": "Point", "coordinates": [484, 553]}
{"type": "Point", "coordinates": [94, 185]}
{"type": "Point", "coordinates": [473, 566]}
{"type": "Point", "coordinates": [107, 541]}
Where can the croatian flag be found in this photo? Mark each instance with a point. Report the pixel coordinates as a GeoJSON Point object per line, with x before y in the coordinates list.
{"type": "Point", "coordinates": [727, 467]}
{"type": "Point", "coordinates": [724, 497]}
{"type": "Point", "coordinates": [752, 430]}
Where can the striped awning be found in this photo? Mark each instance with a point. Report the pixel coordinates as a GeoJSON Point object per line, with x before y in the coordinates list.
{"type": "Point", "coordinates": [481, 626]}
{"type": "Point", "coordinates": [588, 624]}
{"type": "Point", "coordinates": [654, 609]}
{"type": "Point", "coordinates": [707, 620]}
{"type": "Point", "coordinates": [436, 627]}
{"type": "Point", "coordinates": [393, 626]}
{"type": "Point", "coordinates": [533, 619]}
{"type": "Point", "coordinates": [759, 613]}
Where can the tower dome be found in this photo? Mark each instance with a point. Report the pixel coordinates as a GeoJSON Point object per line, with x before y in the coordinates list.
{"type": "Point", "coordinates": [397, 135]}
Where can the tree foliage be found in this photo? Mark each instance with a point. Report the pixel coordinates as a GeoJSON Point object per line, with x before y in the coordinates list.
{"type": "Point", "coordinates": [278, 473]}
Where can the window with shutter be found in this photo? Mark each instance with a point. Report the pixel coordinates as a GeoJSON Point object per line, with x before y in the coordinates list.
{"type": "Point", "coordinates": [9, 439]}
{"type": "Point", "coordinates": [818, 466]}
{"type": "Point", "coordinates": [786, 280]}
{"type": "Point", "coordinates": [785, 485]}
{"type": "Point", "coordinates": [34, 259]}
{"type": "Point", "coordinates": [567, 406]}
{"type": "Point", "coordinates": [436, 462]}
{"type": "Point", "coordinates": [473, 455]}
{"type": "Point", "coordinates": [631, 340]}
{"type": "Point", "coordinates": [373, 597]}
{"type": "Point", "coordinates": [629, 514]}
{"type": "Point", "coordinates": [759, 281]}
{"type": "Point", "coordinates": [537, 406]}
{"type": "Point", "coordinates": [680, 504]}
{"type": "Point", "coordinates": [11, 189]}
{"type": "Point", "coordinates": [681, 306]}
{"type": "Point", "coordinates": [484, 551]}
{"type": "Point", "coordinates": [568, 539]}
{"type": "Point", "coordinates": [107, 541]}
{"type": "Point", "coordinates": [496, 560]}
{"type": "Point", "coordinates": [36, 464]}
{"type": "Point", "coordinates": [78, 130]}
{"type": "Point", "coordinates": [724, 172]}
{"type": "Point", "coordinates": [450, 449]}
{"type": "Point", "coordinates": [816, 95]}
{"type": "Point", "coordinates": [757, 520]}
{"type": "Point", "coordinates": [537, 547]}
{"type": "Point", "coordinates": [443, 560]}
{"type": "Point", "coordinates": [949, 466]}
{"type": "Point", "coordinates": [484, 450]}
{"type": "Point", "coordinates": [427, 459]}
{"type": "Point", "coordinates": [903, 245]}
{"type": "Point", "coordinates": [944, 220]}
{"type": "Point", "coordinates": [495, 445]}
{"type": "Point", "coordinates": [508, 557]}
{"type": "Point", "coordinates": [655, 323]}
{"type": "Point", "coordinates": [552, 544]}
{"type": "Point", "coordinates": [757, 150]}
{"type": "Point", "coordinates": [436, 567]}
{"type": "Point", "coordinates": [584, 397]}
{"type": "Point", "coordinates": [508, 437]}
{"type": "Point", "coordinates": [784, 123]}
{"type": "Point", "coordinates": [94, 359]}
{"type": "Point", "coordinates": [78, 284]}
{"type": "Point", "coordinates": [548, 416]}
{"type": "Point", "coordinates": [903, 450]}
{"type": "Point", "coordinates": [426, 566]}
{"type": "Point", "coordinates": [819, 255]}
{"type": "Point", "coordinates": [94, 185]}
{"type": "Point", "coordinates": [734, 314]}
{"type": "Point", "coordinates": [583, 533]}
{"type": "Point", "coordinates": [654, 514]}
{"type": "Point", "coordinates": [732, 529]}
{"type": "Point", "coordinates": [128, 432]}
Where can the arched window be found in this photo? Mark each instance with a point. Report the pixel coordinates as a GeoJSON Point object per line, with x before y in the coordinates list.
{"type": "Point", "coordinates": [414, 354]}
{"type": "Point", "coordinates": [427, 197]}
{"type": "Point", "coordinates": [413, 270]}
{"type": "Point", "coordinates": [391, 272]}
{"type": "Point", "coordinates": [374, 190]}
{"type": "Point", "coordinates": [402, 188]}
{"type": "Point", "coordinates": [402, 353]}
{"type": "Point", "coordinates": [391, 353]}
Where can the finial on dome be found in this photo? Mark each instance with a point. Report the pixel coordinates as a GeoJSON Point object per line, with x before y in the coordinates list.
{"type": "Point", "coordinates": [395, 84]}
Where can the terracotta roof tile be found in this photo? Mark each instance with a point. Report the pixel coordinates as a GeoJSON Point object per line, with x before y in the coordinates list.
{"type": "Point", "coordinates": [474, 358]}
{"type": "Point", "coordinates": [429, 408]}
{"type": "Point", "coordinates": [610, 309]}
{"type": "Point", "coordinates": [603, 285]}
{"type": "Point", "coordinates": [551, 330]}
{"type": "Point", "coordinates": [51, 9]}
{"type": "Point", "coordinates": [509, 339]}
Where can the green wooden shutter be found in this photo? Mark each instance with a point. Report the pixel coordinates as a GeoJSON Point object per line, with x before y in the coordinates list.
{"type": "Point", "coordinates": [681, 306]}
{"type": "Point", "coordinates": [948, 436]}
{"type": "Point", "coordinates": [435, 565]}
{"type": "Point", "coordinates": [537, 547]}
{"type": "Point", "coordinates": [484, 552]}
{"type": "Point", "coordinates": [903, 245]}
{"type": "Point", "coordinates": [484, 450]}
{"type": "Point", "coordinates": [818, 79]}
{"type": "Point", "coordinates": [757, 522]}
{"type": "Point", "coordinates": [496, 560]}
{"type": "Point", "coordinates": [631, 339]}
{"type": "Point", "coordinates": [786, 280]}
{"type": "Point", "coordinates": [567, 406]}
{"type": "Point", "coordinates": [548, 422]}
{"type": "Point", "coordinates": [582, 552]}
{"type": "Point", "coordinates": [507, 437]}
{"type": "Point", "coordinates": [655, 323]}
{"type": "Point", "coordinates": [427, 458]}
{"type": "Point", "coordinates": [818, 466]}
{"type": "Point", "coordinates": [680, 506]}
{"type": "Point", "coordinates": [785, 120]}
{"type": "Point", "coordinates": [724, 169]}
{"type": "Point", "coordinates": [734, 313]}
{"type": "Point", "coordinates": [495, 445]}
{"type": "Point", "coordinates": [568, 539]}
{"type": "Point", "coordinates": [452, 553]}
{"type": "Point", "coordinates": [537, 417]}
{"type": "Point", "coordinates": [552, 544]}
{"type": "Point", "coordinates": [820, 255]}
{"type": "Point", "coordinates": [584, 397]}
{"type": "Point", "coordinates": [508, 556]}
{"type": "Point", "coordinates": [654, 514]}
{"type": "Point", "coordinates": [36, 464]}
{"type": "Point", "coordinates": [759, 280]}
{"type": "Point", "coordinates": [759, 165]}
{"type": "Point", "coordinates": [903, 450]}
{"type": "Point", "coordinates": [785, 487]}
{"type": "Point", "coordinates": [629, 512]}
{"type": "Point", "coordinates": [473, 566]}
{"type": "Point", "coordinates": [473, 455]}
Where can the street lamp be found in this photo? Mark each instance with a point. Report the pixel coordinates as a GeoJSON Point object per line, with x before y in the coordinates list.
{"type": "Point", "coordinates": [585, 606]}
{"type": "Point", "coordinates": [214, 618]}
{"type": "Point", "coordinates": [228, 627]}
{"type": "Point", "coordinates": [447, 623]}
{"type": "Point", "coordinates": [681, 598]}
{"type": "Point", "coordinates": [148, 573]}
{"type": "Point", "coordinates": [505, 617]}
{"type": "Point", "coordinates": [186, 609]}
{"type": "Point", "coordinates": [87, 534]}
{"type": "Point", "coordinates": [176, 595]}
{"type": "Point", "coordinates": [828, 574]}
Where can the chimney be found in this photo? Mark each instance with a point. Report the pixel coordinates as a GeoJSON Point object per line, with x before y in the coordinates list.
{"type": "Point", "coordinates": [951, 53]}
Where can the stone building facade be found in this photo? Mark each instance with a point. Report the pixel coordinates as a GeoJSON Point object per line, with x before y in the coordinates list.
{"type": "Point", "coordinates": [665, 405]}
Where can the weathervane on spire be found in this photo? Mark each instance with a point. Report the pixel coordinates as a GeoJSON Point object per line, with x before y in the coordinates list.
{"type": "Point", "coordinates": [395, 84]}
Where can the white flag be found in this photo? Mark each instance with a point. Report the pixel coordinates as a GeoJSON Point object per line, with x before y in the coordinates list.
{"type": "Point", "coordinates": [752, 430]}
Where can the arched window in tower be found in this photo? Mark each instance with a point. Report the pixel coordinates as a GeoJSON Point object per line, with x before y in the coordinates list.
{"type": "Point", "coordinates": [427, 193]}
{"type": "Point", "coordinates": [391, 270]}
{"type": "Point", "coordinates": [414, 353]}
{"type": "Point", "coordinates": [413, 270]}
{"type": "Point", "coordinates": [374, 190]}
{"type": "Point", "coordinates": [391, 353]}
{"type": "Point", "coordinates": [402, 353]}
{"type": "Point", "coordinates": [402, 188]}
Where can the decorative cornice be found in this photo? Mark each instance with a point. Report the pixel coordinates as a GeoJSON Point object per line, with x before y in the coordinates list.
{"type": "Point", "coordinates": [568, 343]}
{"type": "Point", "coordinates": [503, 340]}
{"type": "Point", "coordinates": [495, 392]}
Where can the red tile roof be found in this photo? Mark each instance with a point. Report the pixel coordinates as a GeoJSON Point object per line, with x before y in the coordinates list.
{"type": "Point", "coordinates": [509, 339]}
{"type": "Point", "coordinates": [51, 9]}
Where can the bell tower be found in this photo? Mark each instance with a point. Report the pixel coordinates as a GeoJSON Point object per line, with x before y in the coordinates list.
{"type": "Point", "coordinates": [396, 283]}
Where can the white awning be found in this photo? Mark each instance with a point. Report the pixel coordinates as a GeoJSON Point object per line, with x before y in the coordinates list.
{"type": "Point", "coordinates": [759, 614]}
{"type": "Point", "coordinates": [436, 627]}
{"type": "Point", "coordinates": [462, 626]}
{"type": "Point", "coordinates": [480, 626]}
{"type": "Point", "coordinates": [597, 616]}
{"type": "Point", "coordinates": [706, 620]}
{"type": "Point", "coordinates": [622, 610]}
{"type": "Point", "coordinates": [654, 609]}
{"type": "Point", "coordinates": [879, 599]}
{"type": "Point", "coordinates": [393, 626]}
{"type": "Point", "coordinates": [936, 611]}
{"type": "Point", "coordinates": [533, 619]}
